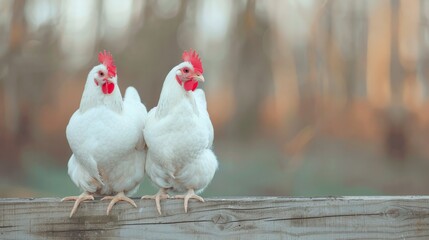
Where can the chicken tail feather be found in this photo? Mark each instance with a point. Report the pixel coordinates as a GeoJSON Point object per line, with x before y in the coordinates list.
{"type": "Point", "coordinates": [131, 94]}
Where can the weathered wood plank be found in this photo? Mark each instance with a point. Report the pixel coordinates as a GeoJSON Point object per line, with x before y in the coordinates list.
{"type": "Point", "coordinates": [405, 217]}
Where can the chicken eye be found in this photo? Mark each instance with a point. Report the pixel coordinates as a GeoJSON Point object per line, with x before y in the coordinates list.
{"type": "Point", "coordinates": [101, 73]}
{"type": "Point", "coordinates": [186, 70]}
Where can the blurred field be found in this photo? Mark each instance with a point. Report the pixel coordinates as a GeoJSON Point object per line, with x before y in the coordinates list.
{"type": "Point", "coordinates": [308, 98]}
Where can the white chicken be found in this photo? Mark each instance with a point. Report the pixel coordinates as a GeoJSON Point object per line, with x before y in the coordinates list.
{"type": "Point", "coordinates": [106, 137]}
{"type": "Point", "coordinates": [179, 135]}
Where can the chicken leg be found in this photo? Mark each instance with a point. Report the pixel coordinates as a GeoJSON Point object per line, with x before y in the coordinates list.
{"type": "Point", "coordinates": [84, 196]}
{"type": "Point", "coordinates": [162, 194]}
{"type": "Point", "coordinates": [118, 197]}
{"type": "Point", "coordinates": [187, 196]}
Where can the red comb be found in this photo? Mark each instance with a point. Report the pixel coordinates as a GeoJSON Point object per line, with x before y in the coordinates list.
{"type": "Point", "coordinates": [194, 59]}
{"type": "Point", "coordinates": [106, 59]}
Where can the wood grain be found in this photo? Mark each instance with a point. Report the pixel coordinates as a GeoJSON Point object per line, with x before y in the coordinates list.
{"type": "Point", "coordinates": [405, 217]}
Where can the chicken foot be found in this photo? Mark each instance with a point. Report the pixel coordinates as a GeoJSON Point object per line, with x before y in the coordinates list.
{"type": "Point", "coordinates": [118, 197]}
{"type": "Point", "coordinates": [83, 197]}
{"type": "Point", "coordinates": [187, 196]}
{"type": "Point", "coordinates": [162, 194]}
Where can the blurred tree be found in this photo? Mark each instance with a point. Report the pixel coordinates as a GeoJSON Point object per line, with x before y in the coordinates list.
{"type": "Point", "coordinates": [251, 85]}
{"type": "Point", "coordinates": [14, 133]}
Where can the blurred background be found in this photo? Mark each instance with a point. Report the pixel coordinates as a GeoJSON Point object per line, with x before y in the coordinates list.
{"type": "Point", "coordinates": [307, 97]}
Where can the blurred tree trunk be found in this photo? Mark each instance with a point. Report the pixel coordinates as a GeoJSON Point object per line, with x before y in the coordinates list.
{"type": "Point", "coordinates": [408, 47]}
{"type": "Point", "coordinates": [10, 139]}
{"type": "Point", "coordinates": [397, 117]}
{"type": "Point", "coordinates": [423, 48]}
{"type": "Point", "coordinates": [396, 70]}
{"type": "Point", "coordinates": [378, 54]}
{"type": "Point", "coordinates": [251, 85]}
{"type": "Point", "coordinates": [359, 50]}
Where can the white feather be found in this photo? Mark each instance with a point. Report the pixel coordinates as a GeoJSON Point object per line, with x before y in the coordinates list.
{"type": "Point", "coordinates": [179, 136]}
{"type": "Point", "coordinates": [107, 141]}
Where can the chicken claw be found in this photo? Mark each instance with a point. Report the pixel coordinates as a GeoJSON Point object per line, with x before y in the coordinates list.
{"type": "Point", "coordinates": [162, 194]}
{"type": "Point", "coordinates": [118, 197]}
{"type": "Point", "coordinates": [84, 196]}
{"type": "Point", "coordinates": [189, 195]}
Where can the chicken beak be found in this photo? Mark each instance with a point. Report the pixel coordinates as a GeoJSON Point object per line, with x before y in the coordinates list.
{"type": "Point", "coordinates": [199, 77]}
{"type": "Point", "coordinates": [101, 81]}
{"type": "Point", "coordinates": [107, 80]}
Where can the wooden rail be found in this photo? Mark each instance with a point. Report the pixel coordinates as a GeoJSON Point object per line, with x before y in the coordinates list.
{"type": "Point", "coordinates": [405, 217]}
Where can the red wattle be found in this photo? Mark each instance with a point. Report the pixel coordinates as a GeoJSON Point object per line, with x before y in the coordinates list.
{"type": "Point", "coordinates": [190, 85]}
{"type": "Point", "coordinates": [108, 87]}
